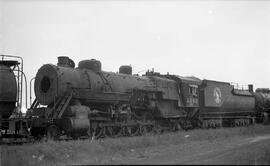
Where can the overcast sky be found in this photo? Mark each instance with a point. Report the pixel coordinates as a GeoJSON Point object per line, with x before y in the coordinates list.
{"type": "Point", "coordinates": [218, 40]}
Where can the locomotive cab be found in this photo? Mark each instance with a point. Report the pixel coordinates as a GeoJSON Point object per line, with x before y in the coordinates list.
{"type": "Point", "coordinates": [189, 92]}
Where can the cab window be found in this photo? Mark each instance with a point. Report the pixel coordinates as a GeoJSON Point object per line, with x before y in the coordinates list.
{"type": "Point", "coordinates": [193, 90]}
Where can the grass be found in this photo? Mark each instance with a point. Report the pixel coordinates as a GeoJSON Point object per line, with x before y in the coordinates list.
{"type": "Point", "coordinates": [85, 151]}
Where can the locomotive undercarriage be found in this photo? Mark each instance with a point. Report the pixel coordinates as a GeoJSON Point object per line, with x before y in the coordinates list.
{"type": "Point", "coordinates": [100, 120]}
{"type": "Point", "coordinates": [13, 130]}
{"type": "Point", "coordinates": [221, 120]}
{"type": "Point", "coordinates": [135, 123]}
{"type": "Point", "coordinates": [122, 120]}
{"type": "Point", "coordinates": [130, 122]}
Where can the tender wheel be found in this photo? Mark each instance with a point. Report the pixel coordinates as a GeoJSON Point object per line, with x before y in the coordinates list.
{"type": "Point", "coordinates": [146, 129]}
{"type": "Point", "coordinates": [158, 129]}
{"type": "Point", "coordinates": [53, 132]}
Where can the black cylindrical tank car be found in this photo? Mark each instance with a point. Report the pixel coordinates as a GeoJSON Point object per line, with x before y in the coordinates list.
{"type": "Point", "coordinates": [11, 120]}
{"type": "Point", "coordinates": [86, 101]}
{"type": "Point", "coordinates": [8, 89]}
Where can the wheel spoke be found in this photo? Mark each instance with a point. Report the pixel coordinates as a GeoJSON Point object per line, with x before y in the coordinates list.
{"type": "Point", "coordinates": [157, 129]}
{"type": "Point", "coordinates": [108, 131]}
{"type": "Point", "coordinates": [99, 132]}
{"type": "Point", "coordinates": [135, 130]}
{"type": "Point", "coordinates": [131, 130]}
{"type": "Point", "coordinates": [146, 129]}
{"type": "Point", "coordinates": [142, 130]}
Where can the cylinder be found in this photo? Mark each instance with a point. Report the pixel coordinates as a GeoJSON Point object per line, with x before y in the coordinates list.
{"type": "Point", "coordinates": [53, 82]}
{"type": "Point", "coordinates": [78, 119]}
{"type": "Point", "coordinates": [8, 88]}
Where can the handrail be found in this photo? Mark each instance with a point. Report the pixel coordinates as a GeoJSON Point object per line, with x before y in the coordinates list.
{"type": "Point", "coordinates": [239, 86]}
{"type": "Point", "coordinates": [25, 80]}
{"type": "Point", "coordinates": [31, 89]}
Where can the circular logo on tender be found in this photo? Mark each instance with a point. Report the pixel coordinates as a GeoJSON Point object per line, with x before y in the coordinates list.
{"type": "Point", "coordinates": [217, 95]}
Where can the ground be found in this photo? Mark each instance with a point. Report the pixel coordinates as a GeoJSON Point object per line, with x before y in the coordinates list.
{"type": "Point", "coordinates": [241, 145]}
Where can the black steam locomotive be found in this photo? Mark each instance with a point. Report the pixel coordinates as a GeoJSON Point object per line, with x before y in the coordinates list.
{"type": "Point", "coordinates": [86, 101]}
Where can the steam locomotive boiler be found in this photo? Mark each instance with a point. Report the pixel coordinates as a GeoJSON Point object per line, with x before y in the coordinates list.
{"type": "Point", "coordinates": [8, 89]}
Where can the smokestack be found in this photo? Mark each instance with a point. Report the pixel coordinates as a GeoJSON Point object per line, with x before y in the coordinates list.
{"type": "Point", "coordinates": [64, 61]}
